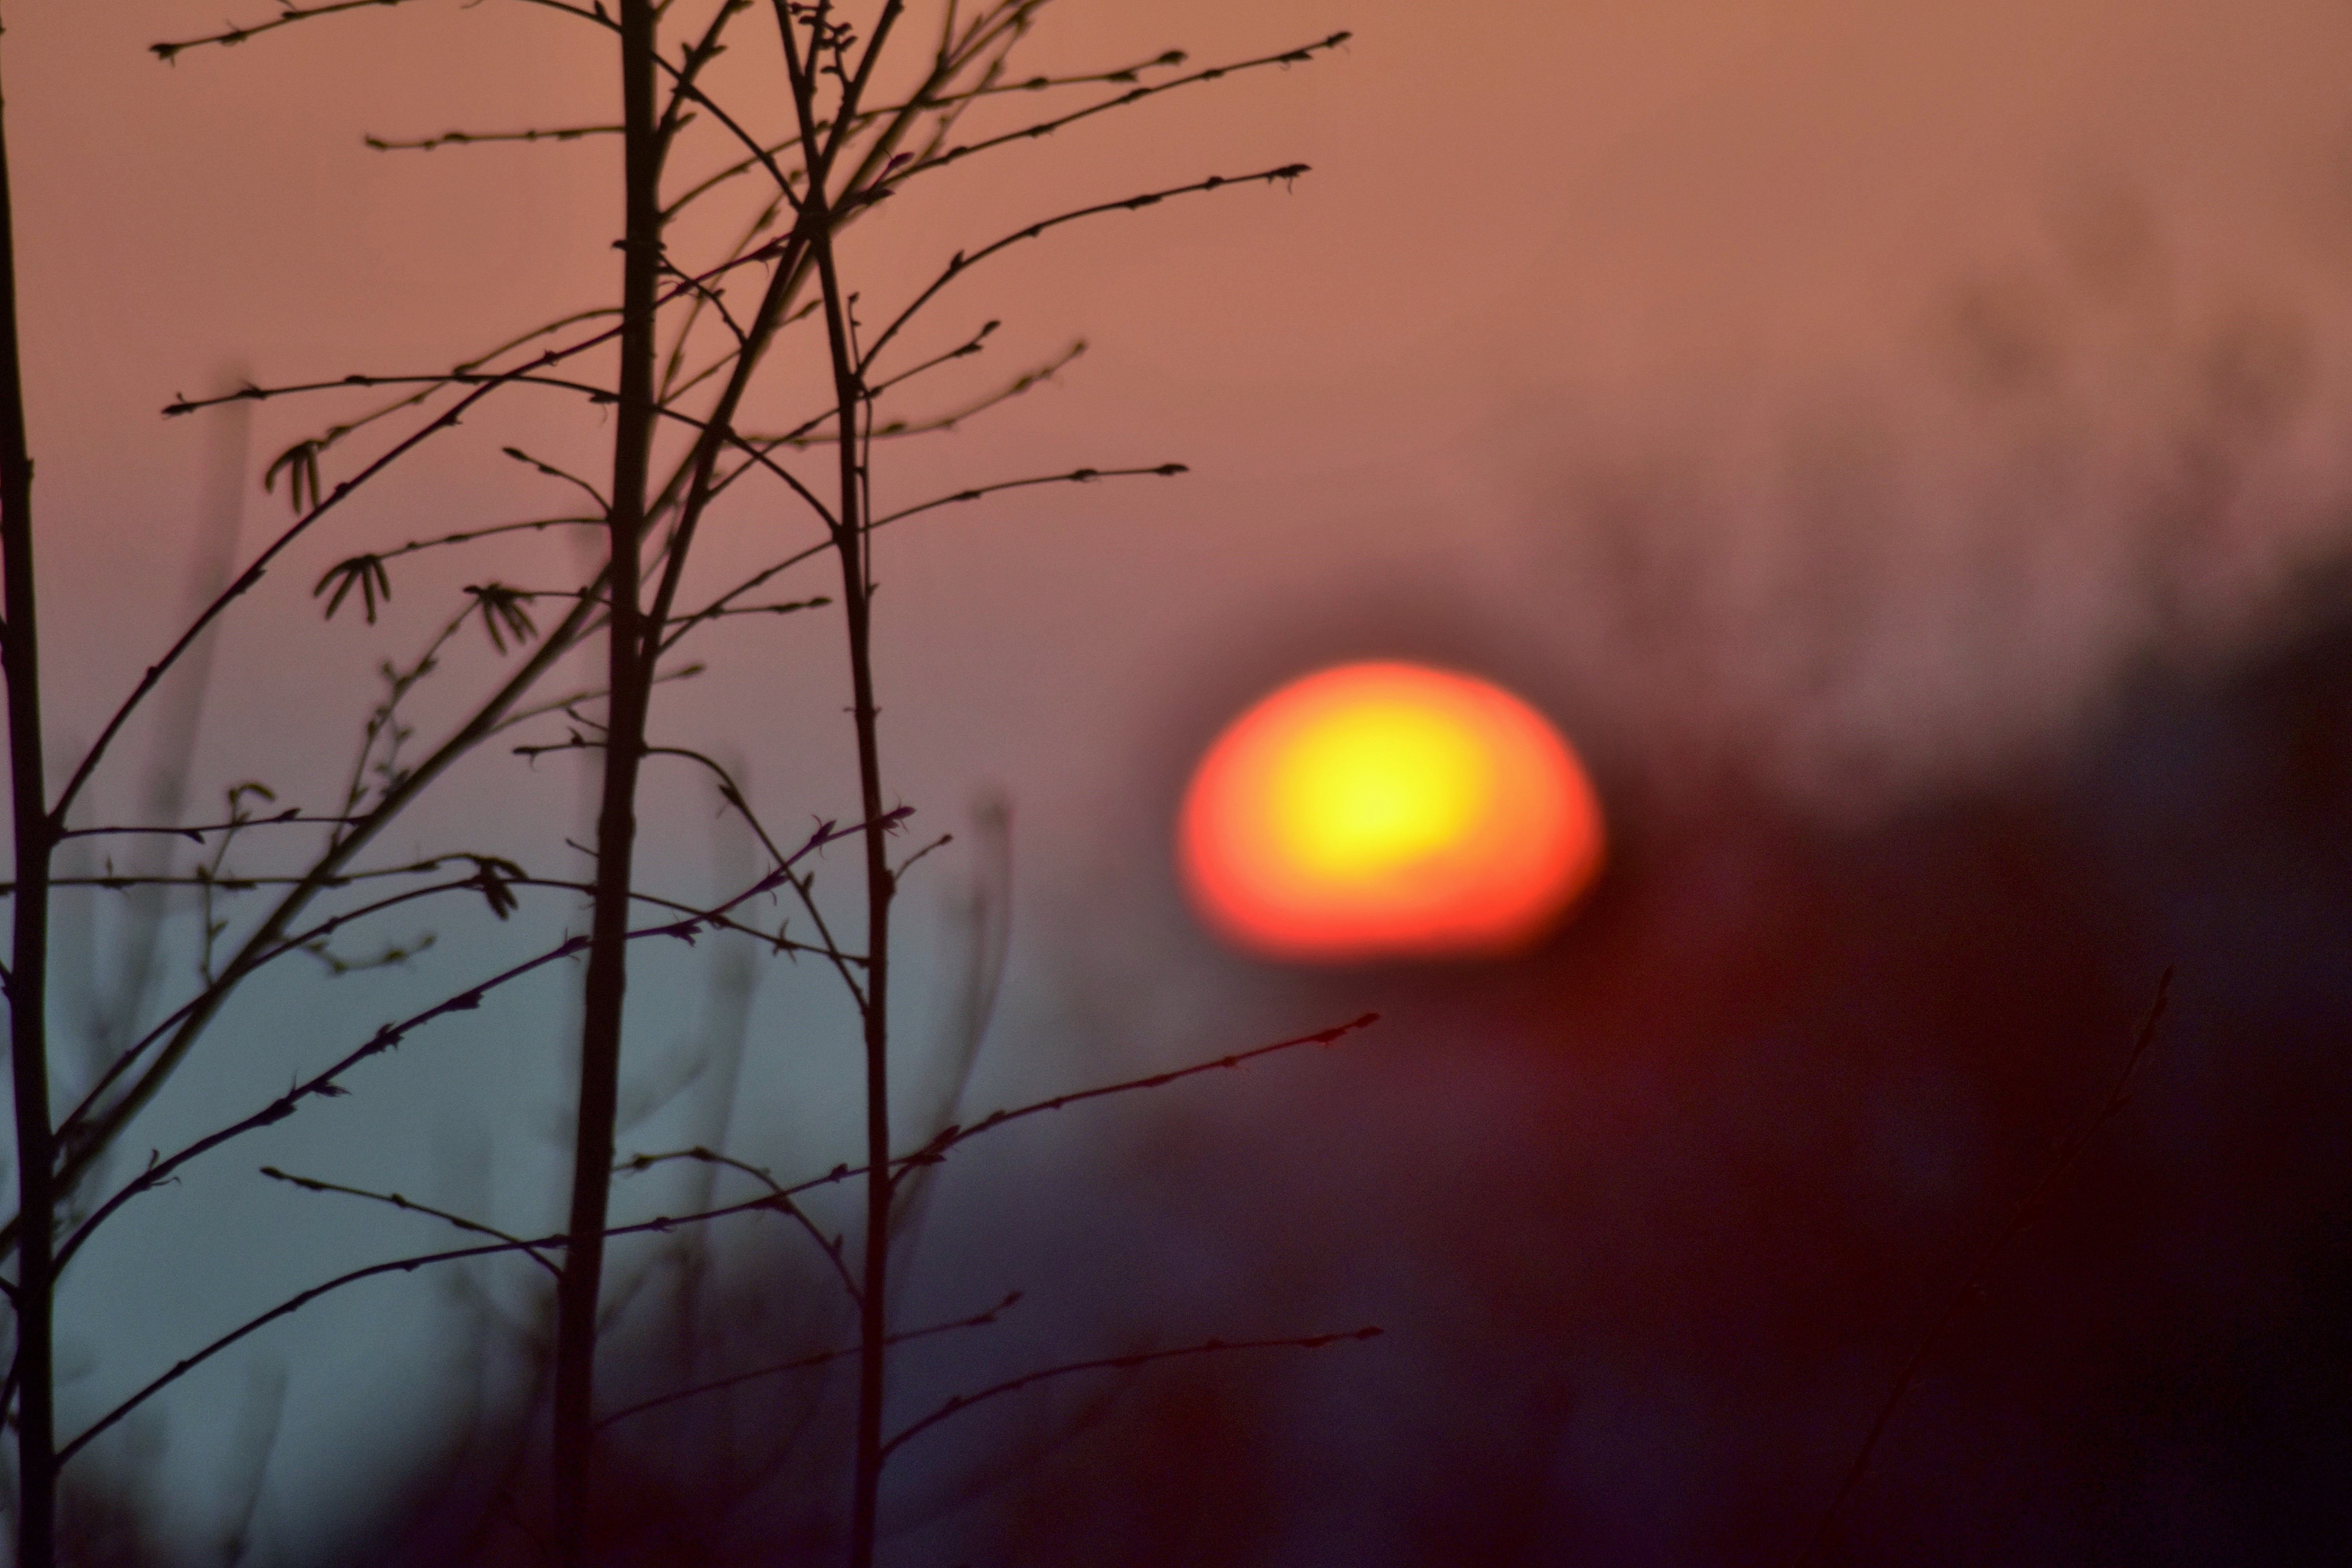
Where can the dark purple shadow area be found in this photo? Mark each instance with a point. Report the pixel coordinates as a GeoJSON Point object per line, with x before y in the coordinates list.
{"type": "Point", "coordinates": [1651, 1219]}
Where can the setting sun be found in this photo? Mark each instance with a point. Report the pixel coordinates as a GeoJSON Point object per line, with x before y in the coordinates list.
{"type": "Point", "coordinates": [1388, 810]}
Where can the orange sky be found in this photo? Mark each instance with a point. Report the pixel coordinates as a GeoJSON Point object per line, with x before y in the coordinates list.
{"type": "Point", "coordinates": [1626, 348]}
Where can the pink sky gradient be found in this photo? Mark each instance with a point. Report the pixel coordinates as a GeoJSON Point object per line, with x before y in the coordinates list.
{"type": "Point", "coordinates": [1705, 259]}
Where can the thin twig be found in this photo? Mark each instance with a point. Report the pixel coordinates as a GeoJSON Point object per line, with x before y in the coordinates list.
{"type": "Point", "coordinates": [292, 14]}
{"type": "Point", "coordinates": [662, 1224]}
{"type": "Point", "coordinates": [801, 1363]}
{"type": "Point", "coordinates": [828, 1245]}
{"type": "Point", "coordinates": [477, 138]}
{"type": "Point", "coordinates": [1973, 1284]}
{"type": "Point", "coordinates": [717, 607]}
{"type": "Point", "coordinates": [811, 433]}
{"type": "Point", "coordinates": [1134, 95]}
{"type": "Point", "coordinates": [290, 815]}
{"type": "Point", "coordinates": [313, 1184]}
{"type": "Point", "coordinates": [957, 1403]}
{"type": "Point", "coordinates": [962, 262]}
{"type": "Point", "coordinates": [950, 1137]}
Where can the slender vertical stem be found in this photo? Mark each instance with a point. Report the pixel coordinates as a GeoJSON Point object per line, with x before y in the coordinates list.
{"type": "Point", "coordinates": [851, 543]}
{"type": "Point", "coordinates": [857, 602]}
{"type": "Point", "coordinates": [36, 837]}
{"type": "Point", "coordinates": [617, 823]}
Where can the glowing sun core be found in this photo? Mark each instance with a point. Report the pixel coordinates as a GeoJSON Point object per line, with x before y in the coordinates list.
{"type": "Point", "coordinates": [1388, 810]}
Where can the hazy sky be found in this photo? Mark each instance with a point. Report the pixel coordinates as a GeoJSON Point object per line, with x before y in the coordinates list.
{"type": "Point", "coordinates": [1839, 347]}
{"type": "Point", "coordinates": [1836, 396]}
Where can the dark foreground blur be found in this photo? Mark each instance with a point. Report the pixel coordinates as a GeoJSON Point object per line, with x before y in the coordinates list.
{"type": "Point", "coordinates": [1650, 1220]}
